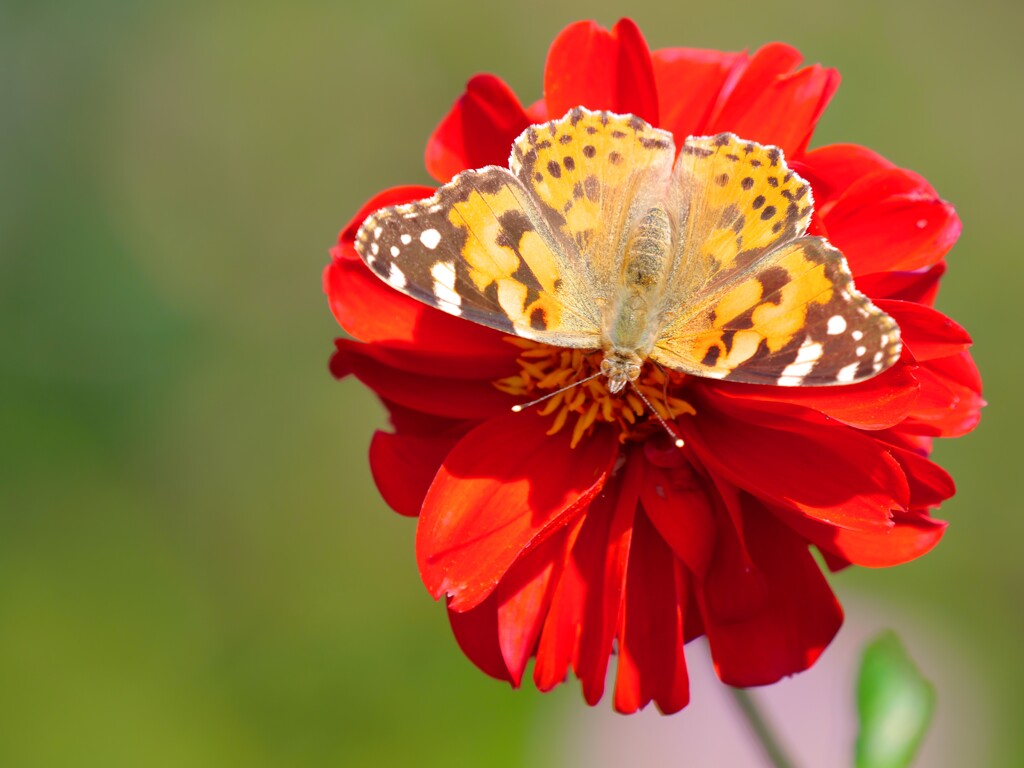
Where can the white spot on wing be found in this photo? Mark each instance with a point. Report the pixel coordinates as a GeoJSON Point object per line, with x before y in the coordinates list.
{"type": "Point", "coordinates": [374, 248]}
{"type": "Point", "coordinates": [857, 335]}
{"type": "Point", "coordinates": [430, 238]}
{"type": "Point", "coordinates": [444, 287]}
{"type": "Point", "coordinates": [860, 351]}
{"type": "Point", "coordinates": [847, 373]}
{"type": "Point", "coordinates": [396, 277]}
{"type": "Point", "coordinates": [806, 358]}
{"type": "Point", "coordinates": [406, 239]}
{"type": "Point", "coordinates": [394, 251]}
{"type": "Point", "coordinates": [836, 325]}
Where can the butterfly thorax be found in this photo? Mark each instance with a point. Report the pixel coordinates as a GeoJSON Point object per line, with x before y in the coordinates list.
{"type": "Point", "coordinates": [630, 329]}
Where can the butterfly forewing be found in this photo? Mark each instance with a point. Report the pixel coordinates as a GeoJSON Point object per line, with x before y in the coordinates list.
{"type": "Point", "coordinates": [481, 249]}
{"type": "Point", "coordinates": [736, 200]}
{"type": "Point", "coordinates": [595, 174]}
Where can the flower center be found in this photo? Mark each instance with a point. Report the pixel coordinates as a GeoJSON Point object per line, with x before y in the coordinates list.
{"type": "Point", "coordinates": [544, 369]}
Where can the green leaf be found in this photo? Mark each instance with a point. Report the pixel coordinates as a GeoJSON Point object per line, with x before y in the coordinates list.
{"type": "Point", "coordinates": [894, 702]}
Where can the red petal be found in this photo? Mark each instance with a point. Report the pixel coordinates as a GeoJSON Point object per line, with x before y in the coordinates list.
{"type": "Point", "coordinates": [930, 484]}
{"type": "Point", "coordinates": [559, 640]}
{"type": "Point", "coordinates": [524, 595]}
{"type": "Point", "coordinates": [799, 615]}
{"type": "Point", "coordinates": [476, 632]}
{"type": "Point", "coordinates": [878, 403]}
{"type": "Point", "coordinates": [606, 576]}
{"type": "Point", "coordinates": [920, 286]}
{"type": "Point", "coordinates": [409, 421]}
{"type": "Point", "coordinates": [831, 473]}
{"type": "Point", "coordinates": [892, 220]}
{"type": "Point", "coordinates": [404, 466]}
{"type": "Point", "coordinates": [651, 664]}
{"type": "Point", "coordinates": [478, 131]}
{"type": "Point", "coordinates": [689, 83]}
{"type": "Point", "coordinates": [927, 333]}
{"type": "Point", "coordinates": [410, 335]}
{"type": "Point", "coordinates": [746, 593]}
{"type": "Point", "coordinates": [592, 67]}
{"type": "Point", "coordinates": [499, 493]}
{"type": "Point", "coordinates": [833, 169]}
{"type": "Point", "coordinates": [950, 403]}
{"type": "Point", "coordinates": [678, 506]}
{"type": "Point", "coordinates": [910, 537]}
{"type": "Point", "coordinates": [449, 397]}
{"type": "Point", "coordinates": [773, 104]}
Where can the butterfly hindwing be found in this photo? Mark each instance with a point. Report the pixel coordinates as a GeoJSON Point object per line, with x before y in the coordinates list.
{"type": "Point", "coordinates": [793, 320]}
{"type": "Point", "coordinates": [480, 249]}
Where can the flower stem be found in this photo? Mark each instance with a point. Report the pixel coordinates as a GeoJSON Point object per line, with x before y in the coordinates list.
{"type": "Point", "coordinates": [762, 730]}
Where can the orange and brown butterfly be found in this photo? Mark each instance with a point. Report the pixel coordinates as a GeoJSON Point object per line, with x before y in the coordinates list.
{"type": "Point", "coordinates": [597, 236]}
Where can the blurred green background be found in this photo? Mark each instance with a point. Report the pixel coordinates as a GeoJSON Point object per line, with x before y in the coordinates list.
{"type": "Point", "coordinates": [195, 568]}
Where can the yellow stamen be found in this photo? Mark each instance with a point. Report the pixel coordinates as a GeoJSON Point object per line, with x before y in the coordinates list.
{"type": "Point", "coordinates": [544, 369]}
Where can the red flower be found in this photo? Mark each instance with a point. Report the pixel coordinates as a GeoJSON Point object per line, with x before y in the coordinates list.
{"type": "Point", "coordinates": [564, 544]}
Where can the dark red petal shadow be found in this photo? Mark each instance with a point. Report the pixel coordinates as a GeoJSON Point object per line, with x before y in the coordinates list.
{"type": "Point", "coordinates": [651, 665]}
{"type": "Point", "coordinates": [437, 395]}
{"type": "Point", "coordinates": [677, 504]}
{"type": "Point", "coordinates": [799, 615]}
{"type": "Point", "coordinates": [404, 466]}
{"type": "Point", "coordinates": [476, 632]}
{"type": "Point", "coordinates": [856, 483]}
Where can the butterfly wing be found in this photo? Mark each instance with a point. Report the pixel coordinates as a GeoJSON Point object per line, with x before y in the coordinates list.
{"type": "Point", "coordinates": [595, 174]}
{"type": "Point", "coordinates": [481, 248]}
{"type": "Point", "coordinates": [535, 251]}
{"type": "Point", "coordinates": [759, 301]}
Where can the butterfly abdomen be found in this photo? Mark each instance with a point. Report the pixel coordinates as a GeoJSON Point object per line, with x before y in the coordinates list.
{"type": "Point", "coordinates": [647, 250]}
{"type": "Point", "coordinates": [628, 326]}
{"type": "Point", "coordinates": [629, 331]}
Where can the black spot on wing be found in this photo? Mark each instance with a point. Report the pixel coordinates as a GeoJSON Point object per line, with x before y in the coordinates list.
{"type": "Point", "coordinates": [648, 142]}
{"type": "Point", "coordinates": [772, 281]}
{"type": "Point", "coordinates": [514, 224]}
{"type": "Point", "coordinates": [539, 319]}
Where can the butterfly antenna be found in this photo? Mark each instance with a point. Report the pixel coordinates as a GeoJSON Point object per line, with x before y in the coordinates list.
{"type": "Point", "coordinates": [524, 406]}
{"type": "Point", "coordinates": [671, 432]}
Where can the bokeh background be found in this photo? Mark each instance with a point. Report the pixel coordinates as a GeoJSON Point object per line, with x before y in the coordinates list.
{"type": "Point", "coordinates": [195, 568]}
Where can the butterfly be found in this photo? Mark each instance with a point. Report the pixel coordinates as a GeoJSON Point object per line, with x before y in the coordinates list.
{"type": "Point", "coordinates": [597, 236]}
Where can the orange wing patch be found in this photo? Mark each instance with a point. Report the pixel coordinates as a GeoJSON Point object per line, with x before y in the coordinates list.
{"type": "Point", "coordinates": [500, 241]}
